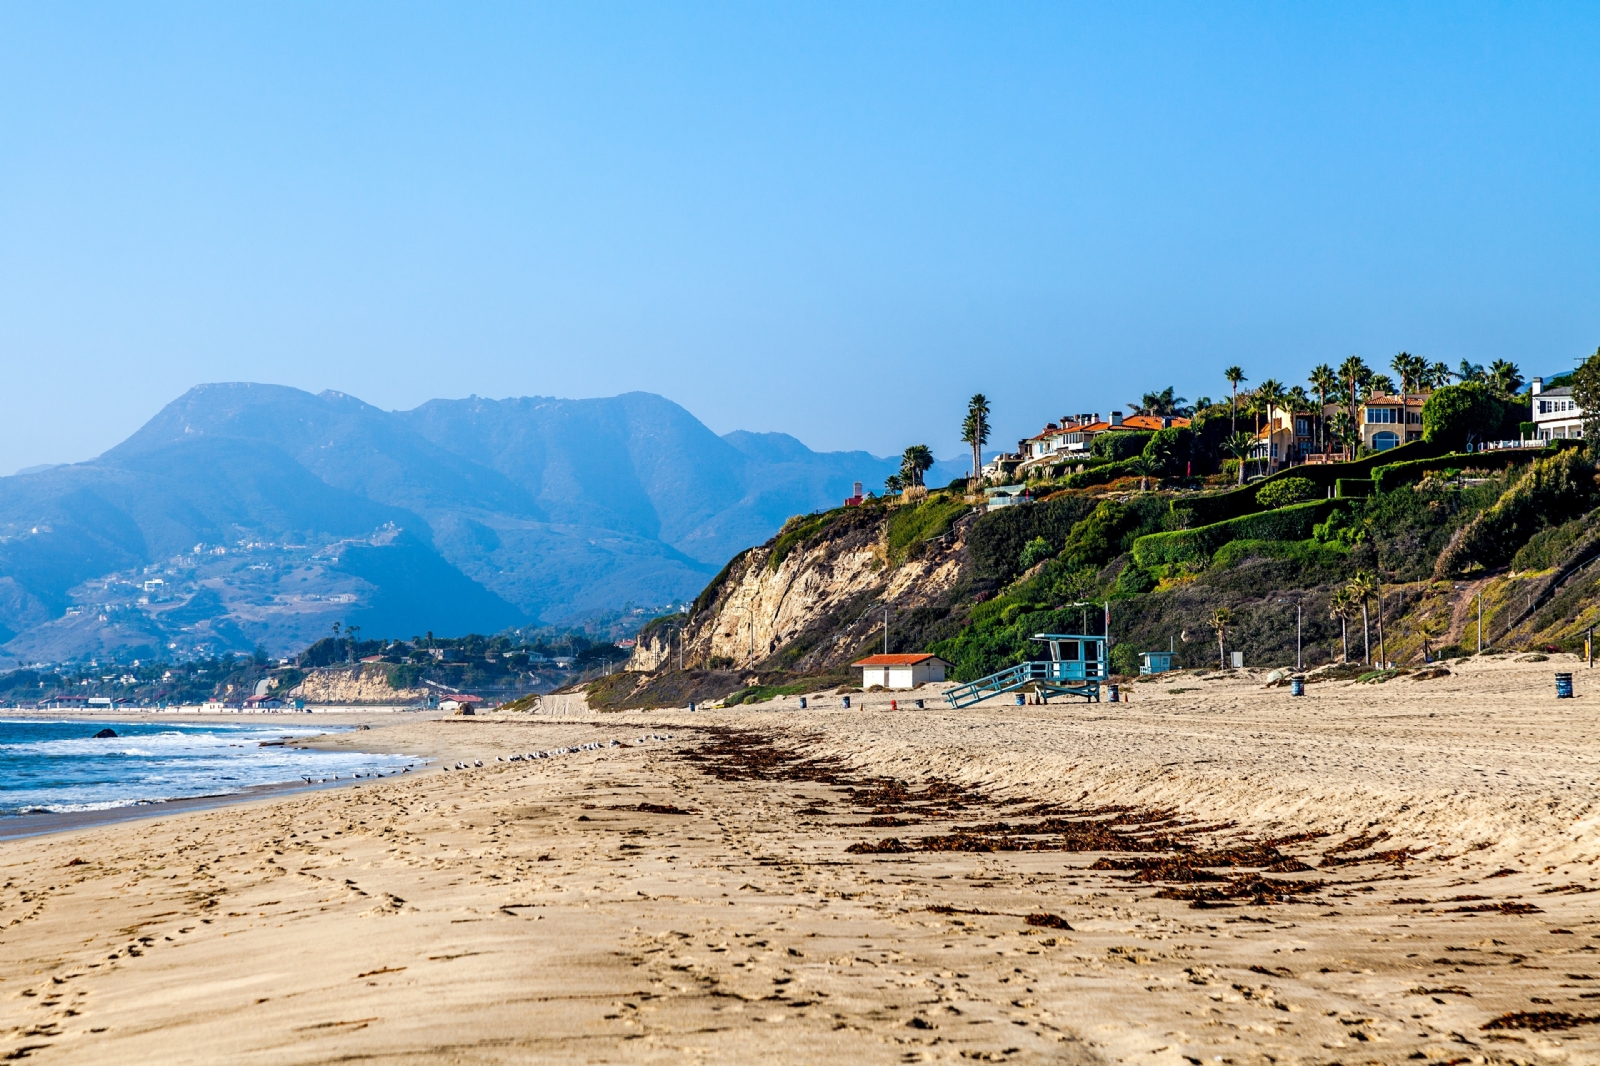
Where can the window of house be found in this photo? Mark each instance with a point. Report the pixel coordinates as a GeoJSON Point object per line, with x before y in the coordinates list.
{"type": "Point", "coordinates": [1380, 415]}
{"type": "Point", "coordinates": [1384, 441]}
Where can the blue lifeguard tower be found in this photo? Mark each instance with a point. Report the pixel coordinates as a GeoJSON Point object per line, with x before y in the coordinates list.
{"type": "Point", "coordinates": [1155, 662]}
{"type": "Point", "coordinates": [1077, 666]}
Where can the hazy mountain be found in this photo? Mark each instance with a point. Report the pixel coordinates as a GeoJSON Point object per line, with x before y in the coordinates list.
{"type": "Point", "coordinates": [244, 513]}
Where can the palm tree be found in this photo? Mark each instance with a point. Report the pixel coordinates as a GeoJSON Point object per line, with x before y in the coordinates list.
{"type": "Point", "coordinates": [1238, 445]}
{"type": "Point", "coordinates": [1234, 375]}
{"type": "Point", "coordinates": [1504, 378]}
{"type": "Point", "coordinates": [975, 431]}
{"type": "Point", "coordinates": [1161, 403]}
{"type": "Point", "coordinates": [1324, 380]}
{"type": "Point", "coordinates": [1353, 376]}
{"type": "Point", "coordinates": [1341, 608]}
{"type": "Point", "coordinates": [1412, 369]}
{"type": "Point", "coordinates": [892, 484]}
{"type": "Point", "coordinates": [1438, 376]}
{"type": "Point", "coordinates": [913, 462]}
{"type": "Point", "coordinates": [1470, 372]}
{"type": "Point", "coordinates": [1220, 620]}
{"type": "Point", "coordinates": [1362, 588]}
{"type": "Point", "coordinates": [1146, 467]}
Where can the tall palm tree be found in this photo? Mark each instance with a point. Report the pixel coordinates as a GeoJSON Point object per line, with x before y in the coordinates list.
{"type": "Point", "coordinates": [1362, 588]}
{"type": "Point", "coordinates": [914, 462]}
{"type": "Point", "coordinates": [1270, 396]}
{"type": "Point", "coordinates": [1411, 369]}
{"type": "Point", "coordinates": [975, 431]}
{"type": "Point", "coordinates": [1234, 375]}
{"type": "Point", "coordinates": [1220, 619]}
{"type": "Point", "coordinates": [1341, 607]}
{"type": "Point", "coordinates": [1354, 375]}
{"type": "Point", "coordinates": [1324, 381]}
{"type": "Point", "coordinates": [1470, 372]}
{"type": "Point", "coordinates": [1439, 376]}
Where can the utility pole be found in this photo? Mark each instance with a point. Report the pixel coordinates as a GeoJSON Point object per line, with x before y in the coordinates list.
{"type": "Point", "coordinates": [1480, 619]}
{"type": "Point", "coordinates": [1588, 647]}
{"type": "Point", "coordinates": [1383, 652]}
{"type": "Point", "coordinates": [886, 629]}
{"type": "Point", "coordinates": [1297, 665]}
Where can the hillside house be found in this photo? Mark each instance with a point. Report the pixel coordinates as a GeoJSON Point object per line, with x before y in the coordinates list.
{"type": "Point", "coordinates": [900, 671]}
{"type": "Point", "coordinates": [1287, 437]}
{"type": "Point", "coordinates": [1073, 437]}
{"type": "Point", "coordinates": [996, 496]}
{"type": "Point", "coordinates": [1556, 416]}
{"type": "Point", "coordinates": [1384, 426]}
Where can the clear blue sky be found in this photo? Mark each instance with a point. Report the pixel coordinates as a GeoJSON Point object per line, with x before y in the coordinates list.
{"type": "Point", "coordinates": [837, 221]}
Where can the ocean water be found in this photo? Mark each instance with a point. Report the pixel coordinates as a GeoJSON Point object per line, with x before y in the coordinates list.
{"type": "Point", "coordinates": [50, 766]}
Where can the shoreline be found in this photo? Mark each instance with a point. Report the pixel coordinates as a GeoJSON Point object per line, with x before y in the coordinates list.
{"type": "Point", "coordinates": [28, 825]}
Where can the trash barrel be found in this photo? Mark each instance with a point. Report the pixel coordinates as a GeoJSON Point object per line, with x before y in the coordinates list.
{"type": "Point", "coordinates": [691, 705]}
{"type": "Point", "coordinates": [1111, 694]}
{"type": "Point", "coordinates": [802, 703]}
{"type": "Point", "coordinates": [846, 703]}
{"type": "Point", "coordinates": [1022, 700]}
{"type": "Point", "coordinates": [1297, 686]}
{"type": "Point", "coordinates": [1563, 686]}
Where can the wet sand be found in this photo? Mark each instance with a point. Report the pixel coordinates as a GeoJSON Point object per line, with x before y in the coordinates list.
{"type": "Point", "coordinates": [794, 887]}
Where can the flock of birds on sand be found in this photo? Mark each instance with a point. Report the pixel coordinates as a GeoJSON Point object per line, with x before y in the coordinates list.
{"type": "Point", "coordinates": [525, 757]}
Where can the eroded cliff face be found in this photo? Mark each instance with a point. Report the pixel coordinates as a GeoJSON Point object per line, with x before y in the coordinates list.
{"type": "Point", "coordinates": [367, 685]}
{"type": "Point", "coordinates": [822, 601]}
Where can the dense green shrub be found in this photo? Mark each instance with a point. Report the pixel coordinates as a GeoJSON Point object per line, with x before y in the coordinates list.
{"type": "Point", "coordinates": [1035, 551]}
{"type": "Point", "coordinates": [1221, 506]}
{"type": "Point", "coordinates": [931, 518]}
{"type": "Point", "coordinates": [1110, 530]}
{"type": "Point", "coordinates": [1171, 449]}
{"type": "Point", "coordinates": [1586, 394]}
{"type": "Point", "coordinates": [1103, 473]}
{"type": "Point", "coordinates": [1289, 490]}
{"type": "Point", "coordinates": [797, 531]}
{"type": "Point", "coordinates": [997, 538]}
{"type": "Point", "coordinates": [1552, 491]}
{"type": "Point", "coordinates": [1549, 547]}
{"type": "Point", "coordinates": [1354, 488]}
{"type": "Point", "coordinates": [1134, 580]}
{"type": "Point", "coordinates": [1392, 475]}
{"type": "Point", "coordinates": [1457, 415]}
{"type": "Point", "coordinates": [1330, 556]}
{"type": "Point", "coordinates": [1124, 659]}
{"type": "Point", "coordinates": [1120, 444]}
{"type": "Point", "coordinates": [1196, 546]}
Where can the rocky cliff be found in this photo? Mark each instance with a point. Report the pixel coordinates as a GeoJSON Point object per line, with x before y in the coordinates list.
{"type": "Point", "coordinates": [368, 684]}
{"type": "Point", "coordinates": [813, 598]}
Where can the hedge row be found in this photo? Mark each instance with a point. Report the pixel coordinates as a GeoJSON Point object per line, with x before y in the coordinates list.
{"type": "Point", "coordinates": [1393, 475]}
{"type": "Point", "coordinates": [1350, 488]}
{"type": "Point", "coordinates": [1197, 545]}
{"type": "Point", "coordinates": [1102, 474]}
{"type": "Point", "coordinates": [1222, 506]}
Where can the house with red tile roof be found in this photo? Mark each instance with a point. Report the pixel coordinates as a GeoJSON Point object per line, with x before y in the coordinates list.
{"type": "Point", "coordinates": [900, 671]}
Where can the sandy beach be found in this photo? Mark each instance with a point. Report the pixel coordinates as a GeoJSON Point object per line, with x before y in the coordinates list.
{"type": "Point", "coordinates": [1214, 872]}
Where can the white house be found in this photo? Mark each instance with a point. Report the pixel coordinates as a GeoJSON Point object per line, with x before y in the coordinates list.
{"type": "Point", "coordinates": [900, 671]}
{"type": "Point", "coordinates": [1555, 414]}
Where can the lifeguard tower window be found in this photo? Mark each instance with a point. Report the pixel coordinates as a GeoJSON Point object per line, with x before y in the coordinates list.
{"type": "Point", "coordinates": [1071, 651]}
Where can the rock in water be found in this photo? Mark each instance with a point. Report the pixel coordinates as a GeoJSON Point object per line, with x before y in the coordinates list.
{"type": "Point", "coordinates": [105, 734]}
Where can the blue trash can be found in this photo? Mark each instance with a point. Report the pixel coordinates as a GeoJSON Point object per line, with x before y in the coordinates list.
{"type": "Point", "coordinates": [1112, 693]}
{"type": "Point", "coordinates": [1297, 686]}
{"type": "Point", "coordinates": [846, 703]}
{"type": "Point", "coordinates": [802, 703]}
{"type": "Point", "coordinates": [1563, 686]}
{"type": "Point", "coordinates": [1021, 700]}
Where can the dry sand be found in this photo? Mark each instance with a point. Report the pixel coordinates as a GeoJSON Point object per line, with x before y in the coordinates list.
{"type": "Point", "coordinates": [560, 910]}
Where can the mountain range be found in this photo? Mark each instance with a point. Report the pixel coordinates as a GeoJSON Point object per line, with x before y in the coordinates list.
{"type": "Point", "coordinates": [246, 514]}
